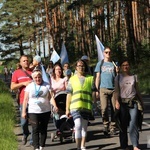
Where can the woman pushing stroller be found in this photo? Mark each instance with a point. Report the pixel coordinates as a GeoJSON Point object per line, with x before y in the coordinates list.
{"type": "Point", "coordinates": [58, 101]}
{"type": "Point", "coordinates": [58, 84]}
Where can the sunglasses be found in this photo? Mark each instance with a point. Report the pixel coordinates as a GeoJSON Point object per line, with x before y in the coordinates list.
{"type": "Point", "coordinates": [107, 52]}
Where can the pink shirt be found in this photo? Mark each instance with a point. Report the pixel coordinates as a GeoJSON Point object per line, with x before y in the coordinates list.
{"type": "Point", "coordinates": [58, 86]}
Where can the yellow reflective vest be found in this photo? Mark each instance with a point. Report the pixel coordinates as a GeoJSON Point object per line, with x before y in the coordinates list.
{"type": "Point", "coordinates": [82, 94]}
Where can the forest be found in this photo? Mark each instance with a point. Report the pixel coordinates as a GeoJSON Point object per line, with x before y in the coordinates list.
{"type": "Point", "coordinates": [27, 26]}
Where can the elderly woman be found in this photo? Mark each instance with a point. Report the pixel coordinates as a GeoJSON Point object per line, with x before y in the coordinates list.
{"type": "Point", "coordinates": [79, 102]}
{"type": "Point", "coordinates": [37, 96]}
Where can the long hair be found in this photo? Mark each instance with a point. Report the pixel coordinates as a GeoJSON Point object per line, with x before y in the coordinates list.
{"type": "Point", "coordinates": [54, 75]}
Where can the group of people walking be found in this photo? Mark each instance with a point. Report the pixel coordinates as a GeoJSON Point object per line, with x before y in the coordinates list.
{"type": "Point", "coordinates": [110, 84]}
{"type": "Point", "coordinates": [8, 71]}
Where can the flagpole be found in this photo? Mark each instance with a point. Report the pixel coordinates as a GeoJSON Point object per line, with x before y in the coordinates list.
{"type": "Point", "coordinates": [114, 63]}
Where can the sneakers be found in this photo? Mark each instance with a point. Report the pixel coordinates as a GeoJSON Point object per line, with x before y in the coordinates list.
{"type": "Point", "coordinates": [24, 140]}
{"type": "Point", "coordinates": [113, 132]}
{"type": "Point", "coordinates": [41, 148]}
{"type": "Point", "coordinates": [106, 132]}
{"type": "Point", "coordinates": [83, 148]}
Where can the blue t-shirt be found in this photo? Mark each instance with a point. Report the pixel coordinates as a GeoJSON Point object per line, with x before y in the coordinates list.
{"type": "Point", "coordinates": [107, 71]}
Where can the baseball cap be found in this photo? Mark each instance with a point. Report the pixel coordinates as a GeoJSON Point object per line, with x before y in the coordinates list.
{"type": "Point", "coordinates": [84, 57]}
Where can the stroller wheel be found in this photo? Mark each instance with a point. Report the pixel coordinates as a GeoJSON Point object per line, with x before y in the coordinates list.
{"type": "Point", "coordinates": [61, 139]}
{"type": "Point", "coordinates": [52, 137]}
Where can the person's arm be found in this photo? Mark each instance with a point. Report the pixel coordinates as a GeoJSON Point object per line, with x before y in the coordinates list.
{"type": "Point", "coordinates": [97, 83]}
{"type": "Point", "coordinates": [94, 89]}
{"type": "Point", "coordinates": [97, 80]}
{"type": "Point", "coordinates": [49, 96]}
{"type": "Point", "coordinates": [53, 102]}
{"type": "Point", "coordinates": [116, 68]}
{"type": "Point", "coordinates": [25, 103]}
{"type": "Point", "coordinates": [15, 86]}
{"type": "Point", "coordinates": [69, 91]}
{"type": "Point", "coordinates": [68, 101]}
{"type": "Point", "coordinates": [117, 92]}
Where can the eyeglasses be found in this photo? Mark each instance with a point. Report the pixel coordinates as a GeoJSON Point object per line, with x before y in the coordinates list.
{"type": "Point", "coordinates": [108, 52]}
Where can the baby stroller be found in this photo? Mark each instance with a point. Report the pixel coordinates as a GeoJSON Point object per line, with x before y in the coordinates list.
{"type": "Point", "coordinates": [64, 126]}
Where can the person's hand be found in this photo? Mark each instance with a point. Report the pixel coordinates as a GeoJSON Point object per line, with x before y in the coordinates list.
{"type": "Point", "coordinates": [68, 113]}
{"type": "Point", "coordinates": [26, 83]}
{"type": "Point", "coordinates": [97, 94]}
{"type": "Point", "coordinates": [24, 115]}
{"type": "Point", "coordinates": [142, 104]}
{"type": "Point", "coordinates": [55, 109]}
{"type": "Point", "coordinates": [117, 105]}
{"type": "Point", "coordinates": [117, 69]}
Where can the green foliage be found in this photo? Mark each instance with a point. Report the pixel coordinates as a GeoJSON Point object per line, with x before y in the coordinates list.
{"type": "Point", "coordinates": [3, 87]}
{"type": "Point", "coordinates": [1, 69]}
{"type": "Point", "coordinates": [7, 120]}
{"type": "Point", "coordinates": [9, 62]}
{"type": "Point", "coordinates": [17, 25]}
{"type": "Point", "coordinates": [143, 72]}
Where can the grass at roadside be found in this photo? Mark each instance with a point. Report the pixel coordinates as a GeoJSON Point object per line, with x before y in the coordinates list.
{"type": "Point", "coordinates": [7, 120]}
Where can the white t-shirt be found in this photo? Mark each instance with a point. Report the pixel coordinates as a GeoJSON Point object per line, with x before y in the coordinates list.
{"type": "Point", "coordinates": [41, 103]}
{"type": "Point", "coordinates": [127, 86]}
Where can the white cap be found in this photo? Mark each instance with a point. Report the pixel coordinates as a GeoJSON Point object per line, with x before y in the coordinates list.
{"type": "Point", "coordinates": [84, 57]}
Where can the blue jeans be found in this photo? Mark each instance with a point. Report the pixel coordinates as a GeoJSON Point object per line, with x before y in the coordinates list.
{"type": "Point", "coordinates": [129, 117]}
{"type": "Point", "coordinates": [24, 126]}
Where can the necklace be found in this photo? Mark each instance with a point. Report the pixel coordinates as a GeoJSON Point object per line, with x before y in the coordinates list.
{"type": "Point", "coordinates": [37, 90]}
